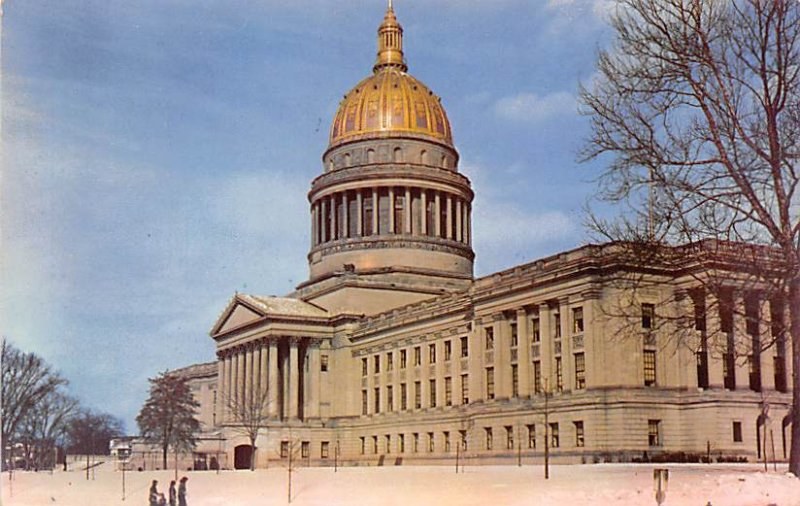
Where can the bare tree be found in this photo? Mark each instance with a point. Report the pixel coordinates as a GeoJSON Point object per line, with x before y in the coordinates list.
{"type": "Point", "coordinates": [44, 426]}
{"type": "Point", "coordinates": [26, 381]}
{"type": "Point", "coordinates": [249, 415]}
{"type": "Point", "coordinates": [697, 103]}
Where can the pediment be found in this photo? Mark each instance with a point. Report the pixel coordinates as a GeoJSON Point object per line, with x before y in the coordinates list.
{"type": "Point", "coordinates": [236, 316]}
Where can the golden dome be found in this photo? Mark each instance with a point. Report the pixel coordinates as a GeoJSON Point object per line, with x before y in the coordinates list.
{"type": "Point", "coordinates": [390, 102]}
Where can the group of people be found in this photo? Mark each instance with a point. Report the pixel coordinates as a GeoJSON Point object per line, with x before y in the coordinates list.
{"type": "Point", "coordinates": [176, 498]}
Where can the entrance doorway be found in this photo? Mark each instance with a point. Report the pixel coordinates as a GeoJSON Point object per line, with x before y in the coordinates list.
{"type": "Point", "coordinates": [241, 457]}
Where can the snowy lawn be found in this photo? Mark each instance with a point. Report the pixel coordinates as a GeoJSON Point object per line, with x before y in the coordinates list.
{"type": "Point", "coordinates": [599, 485]}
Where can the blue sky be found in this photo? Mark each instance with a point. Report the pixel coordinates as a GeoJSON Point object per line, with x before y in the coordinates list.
{"type": "Point", "coordinates": [156, 156]}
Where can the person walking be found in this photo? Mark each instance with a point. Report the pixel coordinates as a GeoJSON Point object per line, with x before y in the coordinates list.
{"type": "Point", "coordinates": [182, 492]}
{"type": "Point", "coordinates": [153, 495]}
{"type": "Point", "coordinates": [173, 495]}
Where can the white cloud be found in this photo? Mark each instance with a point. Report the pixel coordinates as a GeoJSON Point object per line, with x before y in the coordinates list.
{"type": "Point", "coordinates": [574, 8]}
{"type": "Point", "coordinates": [533, 108]}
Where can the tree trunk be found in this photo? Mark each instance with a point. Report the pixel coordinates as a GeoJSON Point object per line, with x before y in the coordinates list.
{"type": "Point", "coordinates": [252, 454]}
{"type": "Point", "coordinates": [165, 449]}
{"type": "Point", "coordinates": [794, 313]}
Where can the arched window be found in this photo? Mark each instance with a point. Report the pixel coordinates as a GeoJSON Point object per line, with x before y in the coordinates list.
{"type": "Point", "coordinates": [398, 155]}
{"type": "Point", "coordinates": [423, 157]}
{"type": "Point", "coordinates": [347, 159]}
{"type": "Point", "coordinates": [370, 156]}
{"type": "Point", "coordinates": [444, 161]}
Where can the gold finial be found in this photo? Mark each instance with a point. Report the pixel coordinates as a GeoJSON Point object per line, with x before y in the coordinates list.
{"type": "Point", "coordinates": [390, 43]}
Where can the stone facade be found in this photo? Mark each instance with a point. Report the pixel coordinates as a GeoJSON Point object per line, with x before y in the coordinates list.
{"type": "Point", "coordinates": [393, 352]}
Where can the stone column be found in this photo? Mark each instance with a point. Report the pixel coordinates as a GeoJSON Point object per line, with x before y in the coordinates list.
{"type": "Point", "coordinates": [437, 219]}
{"type": "Point", "coordinates": [228, 387]}
{"type": "Point", "coordinates": [476, 370]}
{"type": "Point", "coordinates": [334, 218]}
{"type": "Point", "coordinates": [716, 343]}
{"type": "Point", "coordinates": [449, 218]}
{"type": "Point", "coordinates": [323, 219]}
{"type": "Point", "coordinates": [767, 356]}
{"type": "Point", "coordinates": [219, 405]}
{"type": "Point", "coordinates": [273, 385]}
{"type": "Point", "coordinates": [345, 216]}
{"type": "Point", "coordinates": [502, 357]}
{"type": "Point", "coordinates": [263, 380]}
{"type": "Point", "coordinates": [391, 210]}
{"type": "Point", "coordinates": [546, 357]}
{"type": "Point", "coordinates": [408, 211]}
{"type": "Point", "coordinates": [360, 214]}
{"type": "Point", "coordinates": [294, 378]}
{"type": "Point", "coordinates": [375, 212]}
{"type": "Point", "coordinates": [313, 225]}
{"type": "Point", "coordinates": [742, 342]}
{"type": "Point", "coordinates": [459, 221]}
{"type": "Point", "coordinates": [469, 224]}
{"type": "Point", "coordinates": [240, 377]}
{"type": "Point", "coordinates": [312, 402]}
{"type": "Point", "coordinates": [523, 353]}
{"type": "Point", "coordinates": [567, 360]}
{"type": "Point", "coordinates": [423, 194]}
{"type": "Point", "coordinates": [249, 376]}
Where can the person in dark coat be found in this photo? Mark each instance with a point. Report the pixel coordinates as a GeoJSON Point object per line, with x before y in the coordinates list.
{"type": "Point", "coordinates": [182, 492]}
{"type": "Point", "coordinates": [173, 495]}
{"type": "Point", "coordinates": [153, 495]}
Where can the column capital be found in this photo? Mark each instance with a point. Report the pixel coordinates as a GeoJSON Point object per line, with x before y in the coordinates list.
{"type": "Point", "coordinates": [295, 341]}
{"type": "Point", "coordinates": [521, 311]}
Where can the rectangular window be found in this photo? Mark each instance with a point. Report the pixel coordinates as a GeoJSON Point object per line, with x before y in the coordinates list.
{"type": "Point", "coordinates": [464, 347]}
{"type": "Point", "coordinates": [389, 398]}
{"type": "Point", "coordinates": [554, 438]}
{"type": "Point", "coordinates": [389, 361]}
{"type": "Point", "coordinates": [388, 443]}
{"type": "Point", "coordinates": [446, 435]}
{"type": "Point", "coordinates": [323, 363]}
{"type": "Point", "coordinates": [432, 392]}
{"type": "Point", "coordinates": [537, 377]}
{"type": "Point", "coordinates": [305, 449]}
{"type": "Point", "coordinates": [363, 445]}
{"type": "Point", "coordinates": [376, 363]}
{"type": "Point", "coordinates": [377, 400]}
{"type": "Point", "coordinates": [417, 356]}
{"type": "Point", "coordinates": [403, 396]}
{"type": "Point", "coordinates": [364, 402]}
{"type": "Point", "coordinates": [284, 449]}
{"type": "Point", "coordinates": [465, 389]}
{"type": "Point", "coordinates": [401, 443]}
{"type": "Point", "coordinates": [514, 335]}
{"type": "Point", "coordinates": [364, 367]}
{"type": "Point", "coordinates": [580, 371]}
{"type": "Point", "coordinates": [448, 350]}
{"type": "Point", "coordinates": [488, 334]}
{"type": "Point", "coordinates": [490, 383]}
{"type": "Point", "coordinates": [375, 444]}
{"type": "Point", "coordinates": [489, 442]}
{"type": "Point", "coordinates": [448, 391]}
{"type": "Point", "coordinates": [509, 437]}
{"type": "Point", "coordinates": [648, 315]}
{"type": "Point", "coordinates": [536, 330]}
{"type": "Point", "coordinates": [556, 326]}
{"type": "Point", "coordinates": [403, 359]}
{"type": "Point", "coordinates": [737, 432]}
{"type": "Point", "coordinates": [726, 311]}
{"type": "Point", "coordinates": [649, 368]}
{"type": "Point", "coordinates": [577, 320]}
{"type": "Point", "coordinates": [417, 395]}
{"type": "Point", "coordinates": [399, 215]}
{"type": "Point", "coordinates": [531, 436]}
{"type": "Point", "coordinates": [462, 435]}
{"type": "Point", "coordinates": [431, 446]}
{"type": "Point", "coordinates": [559, 375]}
{"type": "Point", "coordinates": [579, 436]}
{"type": "Point", "coordinates": [432, 353]}
{"type": "Point", "coordinates": [383, 211]}
{"type": "Point", "coordinates": [415, 442]}
{"type": "Point", "coordinates": [514, 380]}
{"type": "Point", "coordinates": [323, 450]}
{"type": "Point", "coordinates": [653, 432]}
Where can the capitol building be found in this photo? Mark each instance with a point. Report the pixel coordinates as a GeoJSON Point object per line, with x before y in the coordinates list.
{"type": "Point", "coordinates": [393, 352]}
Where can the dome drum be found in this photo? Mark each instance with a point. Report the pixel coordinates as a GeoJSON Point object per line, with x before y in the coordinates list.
{"type": "Point", "coordinates": [391, 150]}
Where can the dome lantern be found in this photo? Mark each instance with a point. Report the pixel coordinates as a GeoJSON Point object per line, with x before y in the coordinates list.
{"type": "Point", "coordinates": [390, 43]}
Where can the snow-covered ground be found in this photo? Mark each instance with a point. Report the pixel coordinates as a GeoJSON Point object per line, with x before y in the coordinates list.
{"type": "Point", "coordinates": [599, 485]}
